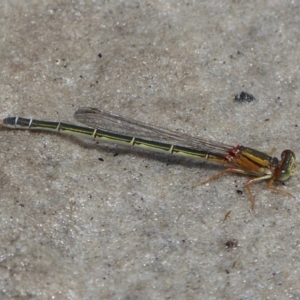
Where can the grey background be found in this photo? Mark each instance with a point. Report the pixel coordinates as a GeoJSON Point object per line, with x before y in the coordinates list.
{"type": "Point", "coordinates": [131, 226]}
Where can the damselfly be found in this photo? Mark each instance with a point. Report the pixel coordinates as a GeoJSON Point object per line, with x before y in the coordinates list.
{"type": "Point", "coordinates": [109, 127]}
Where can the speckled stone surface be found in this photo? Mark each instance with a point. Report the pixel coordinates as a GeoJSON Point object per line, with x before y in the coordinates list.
{"type": "Point", "coordinates": [80, 222]}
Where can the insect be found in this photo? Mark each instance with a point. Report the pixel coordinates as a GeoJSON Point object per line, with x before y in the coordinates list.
{"type": "Point", "coordinates": [109, 127]}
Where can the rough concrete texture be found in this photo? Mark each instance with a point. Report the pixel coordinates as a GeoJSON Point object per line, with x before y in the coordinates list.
{"type": "Point", "coordinates": [80, 222]}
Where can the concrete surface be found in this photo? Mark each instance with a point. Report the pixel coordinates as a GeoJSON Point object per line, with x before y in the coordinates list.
{"type": "Point", "coordinates": [131, 226]}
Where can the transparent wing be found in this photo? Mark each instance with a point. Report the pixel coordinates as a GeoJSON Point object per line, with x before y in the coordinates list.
{"type": "Point", "coordinates": [107, 121]}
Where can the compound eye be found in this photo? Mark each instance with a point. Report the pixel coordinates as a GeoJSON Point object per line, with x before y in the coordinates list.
{"type": "Point", "coordinates": [286, 167]}
{"type": "Point", "coordinates": [282, 174]}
